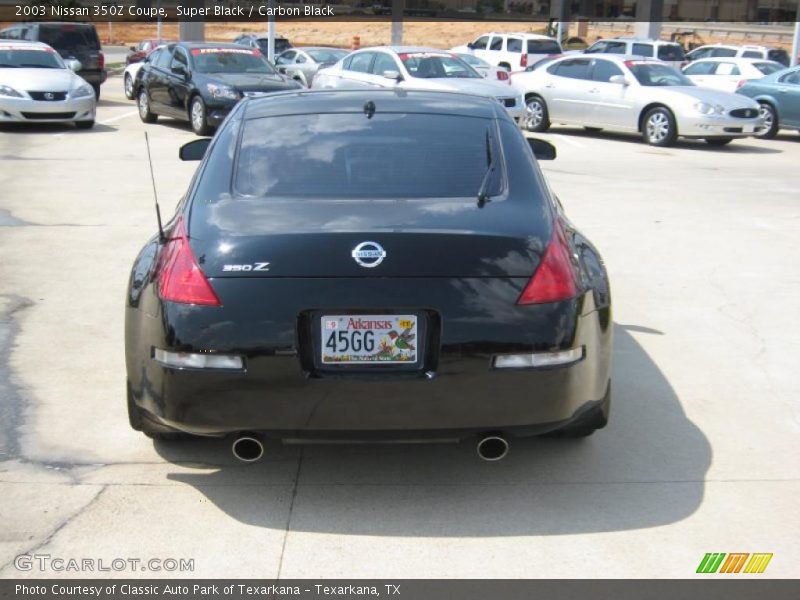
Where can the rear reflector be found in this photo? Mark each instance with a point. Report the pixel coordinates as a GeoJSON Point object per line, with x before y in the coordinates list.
{"type": "Point", "coordinates": [101, 60]}
{"type": "Point", "coordinates": [180, 277]}
{"type": "Point", "coordinates": [191, 360]}
{"type": "Point", "coordinates": [523, 61]}
{"type": "Point", "coordinates": [502, 75]}
{"type": "Point", "coordinates": [538, 359]}
{"type": "Point", "coordinates": [554, 279]}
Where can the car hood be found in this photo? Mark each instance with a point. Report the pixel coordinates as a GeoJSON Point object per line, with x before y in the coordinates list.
{"type": "Point", "coordinates": [42, 80]}
{"type": "Point", "coordinates": [691, 94]}
{"type": "Point", "coordinates": [481, 87]}
{"type": "Point", "coordinates": [252, 81]}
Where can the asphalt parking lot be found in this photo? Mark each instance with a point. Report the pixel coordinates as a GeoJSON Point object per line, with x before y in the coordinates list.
{"type": "Point", "coordinates": [700, 455]}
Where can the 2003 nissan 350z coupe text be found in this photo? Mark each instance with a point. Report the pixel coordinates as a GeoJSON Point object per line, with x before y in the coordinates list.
{"type": "Point", "coordinates": [368, 265]}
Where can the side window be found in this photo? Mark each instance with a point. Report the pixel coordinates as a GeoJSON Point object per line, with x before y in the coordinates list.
{"type": "Point", "coordinates": [497, 43]}
{"type": "Point", "coordinates": [301, 58]}
{"type": "Point", "coordinates": [640, 49]}
{"type": "Point", "coordinates": [726, 68]}
{"type": "Point", "coordinates": [514, 45]}
{"type": "Point", "coordinates": [700, 68]}
{"type": "Point", "coordinates": [480, 43]}
{"type": "Point", "coordinates": [360, 62]}
{"type": "Point", "coordinates": [723, 52]}
{"type": "Point", "coordinates": [163, 59]}
{"type": "Point", "coordinates": [10, 34]}
{"type": "Point", "coordinates": [616, 48]}
{"type": "Point", "coordinates": [605, 70]}
{"type": "Point", "coordinates": [286, 57]}
{"type": "Point", "coordinates": [792, 78]}
{"type": "Point", "coordinates": [383, 62]}
{"type": "Point", "coordinates": [704, 53]}
{"type": "Point", "coordinates": [597, 47]}
{"type": "Point", "coordinates": [576, 68]}
{"type": "Point", "coordinates": [179, 58]}
{"type": "Point", "coordinates": [752, 54]}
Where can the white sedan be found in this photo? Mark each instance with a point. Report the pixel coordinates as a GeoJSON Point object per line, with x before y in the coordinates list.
{"type": "Point", "coordinates": [37, 86]}
{"type": "Point", "coordinates": [415, 68]}
{"type": "Point", "coordinates": [729, 74]}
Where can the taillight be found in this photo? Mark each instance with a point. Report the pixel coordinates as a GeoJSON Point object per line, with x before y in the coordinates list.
{"type": "Point", "coordinates": [101, 60]}
{"type": "Point", "coordinates": [740, 84]}
{"type": "Point", "coordinates": [523, 61]}
{"type": "Point", "coordinates": [180, 277]}
{"type": "Point", "coordinates": [554, 279]}
{"type": "Point", "coordinates": [502, 75]}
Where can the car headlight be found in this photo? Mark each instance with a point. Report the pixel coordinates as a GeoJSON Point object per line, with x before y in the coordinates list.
{"type": "Point", "coordinates": [9, 91]}
{"type": "Point", "coordinates": [222, 92]}
{"type": "Point", "coordinates": [705, 108]}
{"type": "Point", "coordinates": [82, 91]}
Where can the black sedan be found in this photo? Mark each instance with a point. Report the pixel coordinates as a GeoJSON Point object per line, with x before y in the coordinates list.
{"type": "Point", "coordinates": [368, 264]}
{"type": "Point", "coordinates": [202, 82]}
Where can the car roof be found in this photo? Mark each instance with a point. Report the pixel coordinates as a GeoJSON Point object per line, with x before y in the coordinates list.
{"type": "Point", "coordinates": [191, 45]}
{"type": "Point", "coordinates": [10, 43]}
{"type": "Point", "coordinates": [306, 102]}
{"type": "Point", "coordinates": [68, 24]}
{"type": "Point", "coordinates": [638, 39]}
{"type": "Point", "coordinates": [736, 59]}
{"type": "Point", "coordinates": [533, 36]}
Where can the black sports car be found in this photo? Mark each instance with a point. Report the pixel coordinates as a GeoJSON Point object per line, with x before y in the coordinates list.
{"type": "Point", "coordinates": [201, 83]}
{"type": "Point", "coordinates": [368, 264]}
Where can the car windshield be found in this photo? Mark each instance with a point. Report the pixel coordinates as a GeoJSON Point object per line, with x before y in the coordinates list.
{"type": "Point", "coordinates": [326, 55]}
{"type": "Point", "coordinates": [349, 155]}
{"type": "Point", "coordinates": [230, 60]}
{"type": "Point", "coordinates": [427, 65]}
{"type": "Point", "coordinates": [767, 68]}
{"type": "Point", "coordinates": [654, 74]}
{"type": "Point", "coordinates": [30, 58]}
{"type": "Point", "coordinates": [473, 61]}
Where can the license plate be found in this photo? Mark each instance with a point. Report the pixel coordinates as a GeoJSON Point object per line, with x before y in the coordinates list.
{"type": "Point", "coordinates": [369, 339]}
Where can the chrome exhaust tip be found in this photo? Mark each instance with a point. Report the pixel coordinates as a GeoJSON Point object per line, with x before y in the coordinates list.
{"type": "Point", "coordinates": [247, 447]}
{"type": "Point", "coordinates": [492, 447]}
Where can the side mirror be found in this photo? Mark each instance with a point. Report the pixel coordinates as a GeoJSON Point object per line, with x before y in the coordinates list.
{"type": "Point", "coordinates": [542, 150]}
{"type": "Point", "coordinates": [392, 75]}
{"type": "Point", "coordinates": [73, 64]}
{"type": "Point", "coordinates": [619, 79]}
{"type": "Point", "coordinates": [194, 150]}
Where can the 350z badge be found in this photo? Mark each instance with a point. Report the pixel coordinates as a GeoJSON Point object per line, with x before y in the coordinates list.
{"type": "Point", "coordinates": [259, 266]}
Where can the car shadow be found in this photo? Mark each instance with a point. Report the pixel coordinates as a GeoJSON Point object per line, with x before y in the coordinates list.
{"type": "Point", "coordinates": [104, 102]}
{"type": "Point", "coordinates": [736, 146]}
{"type": "Point", "coordinates": [52, 128]}
{"type": "Point", "coordinates": [646, 469]}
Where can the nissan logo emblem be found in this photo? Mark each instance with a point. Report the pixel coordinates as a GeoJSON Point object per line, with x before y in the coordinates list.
{"type": "Point", "coordinates": [368, 254]}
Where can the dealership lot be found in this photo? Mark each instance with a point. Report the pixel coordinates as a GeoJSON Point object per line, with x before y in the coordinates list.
{"type": "Point", "coordinates": [700, 454]}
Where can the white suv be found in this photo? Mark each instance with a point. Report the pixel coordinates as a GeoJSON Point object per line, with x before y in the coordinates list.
{"type": "Point", "coordinates": [668, 52]}
{"type": "Point", "coordinates": [511, 51]}
{"type": "Point", "coordinates": [730, 51]}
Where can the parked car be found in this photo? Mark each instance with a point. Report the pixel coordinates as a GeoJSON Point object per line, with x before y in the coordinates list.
{"type": "Point", "coordinates": [77, 41]}
{"type": "Point", "coordinates": [201, 82]}
{"type": "Point", "coordinates": [728, 74]}
{"type": "Point", "coordinates": [409, 67]}
{"type": "Point", "coordinates": [301, 64]}
{"type": "Point", "coordinates": [37, 86]}
{"type": "Point", "coordinates": [129, 75]}
{"type": "Point", "coordinates": [778, 96]}
{"type": "Point", "coordinates": [626, 93]}
{"type": "Point", "coordinates": [252, 40]}
{"type": "Point", "coordinates": [484, 68]}
{"type": "Point", "coordinates": [668, 52]}
{"type": "Point", "coordinates": [733, 51]}
{"type": "Point", "coordinates": [368, 264]}
{"type": "Point", "coordinates": [511, 51]}
{"type": "Point", "coordinates": [144, 48]}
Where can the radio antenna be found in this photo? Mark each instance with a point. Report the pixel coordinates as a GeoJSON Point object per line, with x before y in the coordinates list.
{"type": "Point", "coordinates": [161, 236]}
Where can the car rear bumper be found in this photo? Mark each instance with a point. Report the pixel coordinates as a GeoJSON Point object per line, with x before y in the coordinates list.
{"type": "Point", "coordinates": [94, 76]}
{"type": "Point", "coordinates": [25, 110]}
{"type": "Point", "coordinates": [719, 126]}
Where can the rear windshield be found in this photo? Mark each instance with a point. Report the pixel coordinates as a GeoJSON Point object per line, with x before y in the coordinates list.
{"type": "Point", "coordinates": [426, 65]}
{"type": "Point", "coordinates": [389, 155]}
{"type": "Point", "coordinates": [230, 60]}
{"type": "Point", "coordinates": [69, 37]}
{"type": "Point", "coordinates": [780, 55]}
{"type": "Point", "coordinates": [36, 58]}
{"type": "Point", "coordinates": [543, 47]}
{"type": "Point", "coordinates": [672, 52]}
{"type": "Point", "coordinates": [767, 68]}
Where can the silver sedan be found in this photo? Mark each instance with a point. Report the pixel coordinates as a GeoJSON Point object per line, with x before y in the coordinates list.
{"type": "Point", "coordinates": [301, 64]}
{"type": "Point", "coordinates": [626, 93]}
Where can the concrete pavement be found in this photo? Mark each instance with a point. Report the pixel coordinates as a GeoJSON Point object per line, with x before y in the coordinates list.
{"type": "Point", "coordinates": [700, 456]}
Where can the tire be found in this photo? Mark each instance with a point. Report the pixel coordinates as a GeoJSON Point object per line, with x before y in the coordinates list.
{"type": "Point", "coordinates": [592, 420]}
{"type": "Point", "coordinates": [593, 129]}
{"type": "Point", "coordinates": [771, 124]}
{"type": "Point", "coordinates": [536, 117]}
{"type": "Point", "coordinates": [143, 102]}
{"type": "Point", "coordinates": [718, 141]}
{"type": "Point", "coordinates": [198, 116]}
{"type": "Point", "coordinates": [96, 88]}
{"type": "Point", "coordinates": [84, 124]}
{"type": "Point", "coordinates": [128, 86]}
{"type": "Point", "coordinates": [658, 127]}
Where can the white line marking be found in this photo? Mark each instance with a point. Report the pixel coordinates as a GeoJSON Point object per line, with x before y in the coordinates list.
{"type": "Point", "coordinates": [119, 117]}
{"type": "Point", "coordinates": [569, 140]}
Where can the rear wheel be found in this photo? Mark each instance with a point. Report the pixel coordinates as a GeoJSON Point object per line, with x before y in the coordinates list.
{"type": "Point", "coordinates": [128, 85]}
{"type": "Point", "coordinates": [536, 118]}
{"type": "Point", "coordinates": [718, 141]}
{"type": "Point", "coordinates": [767, 112]}
{"type": "Point", "coordinates": [144, 108]}
{"type": "Point", "coordinates": [198, 117]}
{"type": "Point", "coordinates": [658, 127]}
